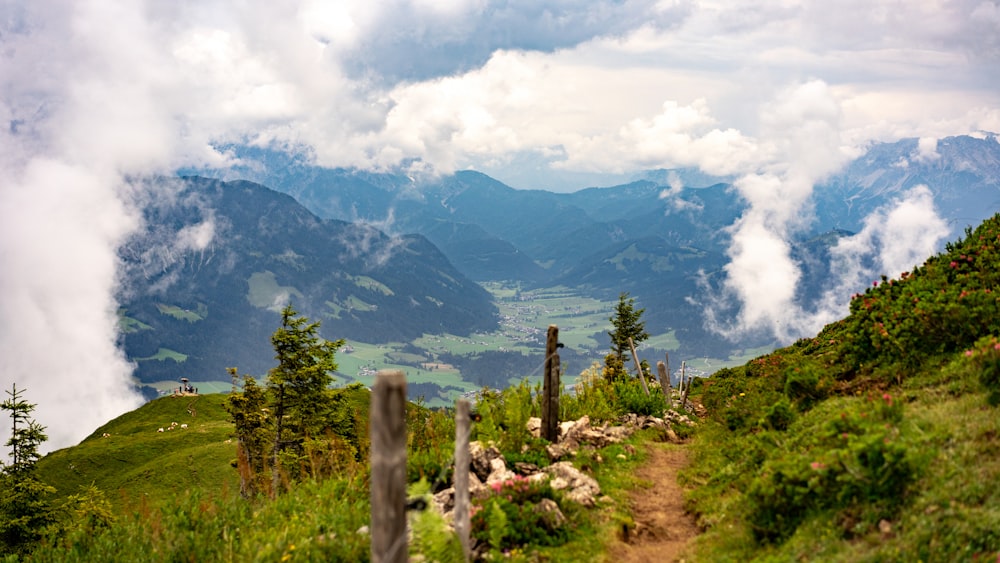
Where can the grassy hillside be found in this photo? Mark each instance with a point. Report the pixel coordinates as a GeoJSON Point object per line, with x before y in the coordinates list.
{"type": "Point", "coordinates": [879, 439]}
{"type": "Point", "coordinates": [136, 461]}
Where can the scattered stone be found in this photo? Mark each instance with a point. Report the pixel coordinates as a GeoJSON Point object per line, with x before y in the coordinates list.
{"type": "Point", "coordinates": [525, 468]}
{"type": "Point", "coordinates": [558, 451]}
{"type": "Point", "coordinates": [481, 458]}
{"type": "Point", "coordinates": [581, 488]}
{"type": "Point", "coordinates": [552, 517]}
{"type": "Point", "coordinates": [534, 426]}
{"type": "Point", "coordinates": [499, 472]}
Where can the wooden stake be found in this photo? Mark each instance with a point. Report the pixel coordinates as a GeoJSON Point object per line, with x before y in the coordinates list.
{"type": "Point", "coordinates": [461, 514]}
{"type": "Point", "coordinates": [550, 386]}
{"type": "Point", "coordinates": [661, 369]}
{"type": "Point", "coordinates": [687, 387]}
{"type": "Point", "coordinates": [638, 366]}
{"type": "Point", "coordinates": [388, 468]}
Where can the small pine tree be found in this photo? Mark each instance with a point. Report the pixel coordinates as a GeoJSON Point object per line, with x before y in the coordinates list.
{"type": "Point", "coordinates": [24, 508]}
{"type": "Point", "coordinates": [248, 411]}
{"type": "Point", "coordinates": [298, 387]}
{"type": "Point", "coordinates": [627, 323]}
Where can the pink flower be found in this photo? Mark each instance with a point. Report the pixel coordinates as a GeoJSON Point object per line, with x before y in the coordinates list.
{"type": "Point", "coordinates": [816, 466]}
{"type": "Point", "coordinates": [968, 353]}
{"type": "Point", "coordinates": [953, 264]}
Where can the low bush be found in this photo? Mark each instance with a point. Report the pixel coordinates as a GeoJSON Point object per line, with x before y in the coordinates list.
{"type": "Point", "coordinates": [858, 463]}
{"type": "Point", "coordinates": [514, 515]}
{"type": "Point", "coordinates": [985, 359]}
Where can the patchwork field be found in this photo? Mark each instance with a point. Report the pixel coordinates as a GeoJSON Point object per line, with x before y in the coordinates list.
{"type": "Point", "coordinates": [524, 319]}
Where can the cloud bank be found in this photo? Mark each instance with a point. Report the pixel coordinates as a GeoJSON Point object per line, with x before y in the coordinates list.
{"type": "Point", "coordinates": [548, 94]}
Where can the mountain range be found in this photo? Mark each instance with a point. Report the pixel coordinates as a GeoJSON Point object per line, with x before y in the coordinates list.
{"type": "Point", "coordinates": [386, 257]}
{"type": "Point", "coordinates": [217, 260]}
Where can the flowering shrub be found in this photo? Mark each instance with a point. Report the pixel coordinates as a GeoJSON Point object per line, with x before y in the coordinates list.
{"type": "Point", "coordinates": [511, 516]}
{"type": "Point", "coordinates": [985, 358]}
{"type": "Point", "coordinates": [858, 460]}
{"type": "Point", "coordinates": [943, 306]}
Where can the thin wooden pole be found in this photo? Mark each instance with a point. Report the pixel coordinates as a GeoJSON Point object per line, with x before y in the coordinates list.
{"type": "Point", "coordinates": [666, 362]}
{"type": "Point", "coordinates": [461, 514]}
{"type": "Point", "coordinates": [687, 387]}
{"type": "Point", "coordinates": [661, 369]}
{"type": "Point", "coordinates": [638, 366]}
{"type": "Point", "coordinates": [388, 468]}
{"type": "Point", "coordinates": [550, 386]}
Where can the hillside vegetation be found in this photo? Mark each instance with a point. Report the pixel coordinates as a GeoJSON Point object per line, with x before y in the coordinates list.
{"type": "Point", "coordinates": [879, 439]}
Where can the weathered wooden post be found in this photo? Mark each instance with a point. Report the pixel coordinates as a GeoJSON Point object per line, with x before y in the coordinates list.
{"type": "Point", "coordinates": [388, 468]}
{"type": "Point", "coordinates": [461, 514]}
{"type": "Point", "coordinates": [638, 366]}
{"type": "Point", "coordinates": [661, 369]}
{"type": "Point", "coordinates": [685, 388]}
{"type": "Point", "coordinates": [550, 387]}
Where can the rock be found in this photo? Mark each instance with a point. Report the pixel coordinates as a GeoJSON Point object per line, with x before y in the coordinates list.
{"type": "Point", "coordinates": [885, 528]}
{"type": "Point", "coordinates": [552, 518]}
{"type": "Point", "coordinates": [525, 468]}
{"type": "Point", "coordinates": [534, 426]}
{"type": "Point", "coordinates": [444, 501]}
{"type": "Point", "coordinates": [481, 458]}
{"type": "Point", "coordinates": [570, 430]}
{"type": "Point", "coordinates": [499, 472]}
{"type": "Point", "coordinates": [477, 489]}
{"type": "Point", "coordinates": [558, 451]}
{"type": "Point", "coordinates": [652, 422]}
{"type": "Point", "coordinates": [581, 488]}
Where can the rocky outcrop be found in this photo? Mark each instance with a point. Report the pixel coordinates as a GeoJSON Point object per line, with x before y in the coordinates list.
{"type": "Point", "coordinates": [488, 468]}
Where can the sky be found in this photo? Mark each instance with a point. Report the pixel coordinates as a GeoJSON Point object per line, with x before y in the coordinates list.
{"type": "Point", "coordinates": [549, 94]}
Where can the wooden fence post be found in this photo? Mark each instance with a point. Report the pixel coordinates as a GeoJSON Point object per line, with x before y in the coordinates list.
{"type": "Point", "coordinates": [685, 388]}
{"type": "Point", "coordinates": [661, 369]}
{"type": "Point", "coordinates": [666, 365]}
{"type": "Point", "coordinates": [550, 386]}
{"type": "Point", "coordinates": [461, 514]}
{"type": "Point", "coordinates": [638, 366]}
{"type": "Point", "coordinates": [388, 468]}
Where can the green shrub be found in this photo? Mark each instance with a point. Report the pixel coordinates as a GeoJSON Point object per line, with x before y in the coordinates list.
{"type": "Point", "coordinates": [593, 396]}
{"type": "Point", "coordinates": [780, 415]}
{"type": "Point", "coordinates": [630, 397]}
{"type": "Point", "coordinates": [985, 358]}
{"type": "Point", "coordinates": [803, 385]}
{"type": "Point", "coordinates": [511, 517]}
{"type": "Point", "coordinates": [430, 444]}
{"type": "Point", "coordinates": [859, 462]}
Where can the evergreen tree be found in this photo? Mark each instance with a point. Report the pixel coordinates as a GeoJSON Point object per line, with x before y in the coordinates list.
{"type": "Point", "coordinates": [248, 410]}
{"type": "Point", "coordinates": [627, 323]}
{"type": "Point", "coordinates": [298, 388]}
{"type": "Point", "coordinates": [24, 508]}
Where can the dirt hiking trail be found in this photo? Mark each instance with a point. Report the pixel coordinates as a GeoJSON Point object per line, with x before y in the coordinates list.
{"type": "Point", "coordinates": [663, 531]}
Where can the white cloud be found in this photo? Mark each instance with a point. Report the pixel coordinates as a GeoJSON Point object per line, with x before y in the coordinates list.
{"type": "Point", "coordinates": [777, 92]}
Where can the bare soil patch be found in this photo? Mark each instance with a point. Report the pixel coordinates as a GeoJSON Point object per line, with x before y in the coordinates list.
{"type": "Point", "coordinates": [663, 530]}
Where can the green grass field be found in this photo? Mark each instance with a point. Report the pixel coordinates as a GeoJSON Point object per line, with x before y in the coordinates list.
{"type": "Point", "coordinates": [136, 456]}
